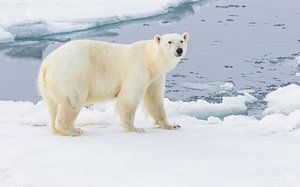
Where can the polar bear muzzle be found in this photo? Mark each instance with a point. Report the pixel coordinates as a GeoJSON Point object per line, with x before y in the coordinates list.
{"type": "Point", "coordinates": [179, 51]}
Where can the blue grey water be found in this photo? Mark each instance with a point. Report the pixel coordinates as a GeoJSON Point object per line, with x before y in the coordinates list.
{"type": "Point", "coordinates": [248, 44]}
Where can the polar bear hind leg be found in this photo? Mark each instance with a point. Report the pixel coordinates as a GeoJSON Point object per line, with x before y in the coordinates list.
{"type": "Point", "coordinates": [66, 115]}
{"type": "Point", "coordinates": [52, 109]}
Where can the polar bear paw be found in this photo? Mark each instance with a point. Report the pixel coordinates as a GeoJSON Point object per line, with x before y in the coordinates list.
{"type": "Point", "coordinates": [70, 132]}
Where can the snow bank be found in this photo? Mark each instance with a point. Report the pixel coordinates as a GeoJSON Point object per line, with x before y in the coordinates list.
{"type": "Point", "coordinates": [284, 100]}
{"type": "Point", "coordinates": [202, 109]}
{"type": "Point", "coordinates": [268, 125]}
{"type": "Point", "coordinates": [280, 123]}
{"type": "Point", "coordinates": [28, 18]}
{"type": "Point", "coordinates": [281, 116]}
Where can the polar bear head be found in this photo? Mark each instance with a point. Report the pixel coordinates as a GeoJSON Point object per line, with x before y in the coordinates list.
{"type": "Point", "coordinates": [173, 45]}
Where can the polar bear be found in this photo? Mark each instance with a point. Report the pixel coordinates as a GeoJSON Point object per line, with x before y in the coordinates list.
{"type": "Point", "coordinates": [85, 72]}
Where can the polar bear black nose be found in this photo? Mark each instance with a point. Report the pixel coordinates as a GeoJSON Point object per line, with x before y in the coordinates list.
{"type": "Point", "coordinates": [179, 51]}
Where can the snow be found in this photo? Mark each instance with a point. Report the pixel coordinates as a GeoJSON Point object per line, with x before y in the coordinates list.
{"type": "Point", "coordinates": [33, 18]}
{"type": "Point", "coordinates": [213, 120]}
{"type": "Point", "coordinates": [284, 100]}
{"type": "Point", "coordinates": [238, 151]}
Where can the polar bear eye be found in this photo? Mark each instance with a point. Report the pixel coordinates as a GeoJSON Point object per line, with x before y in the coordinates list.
{"type": "Point", "coordinates": [181, 41]}
{"type": "Point", "coordinates": [169, 42]}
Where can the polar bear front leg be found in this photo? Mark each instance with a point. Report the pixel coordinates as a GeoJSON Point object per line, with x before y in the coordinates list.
{"type": "Point", "coordinates": [126, 110]}
{"type": "Point", "coordinates": [154, 103]}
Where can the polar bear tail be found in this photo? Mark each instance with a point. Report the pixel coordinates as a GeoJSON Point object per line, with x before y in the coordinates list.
{"type": "Point", "coordinates": [42, 80]}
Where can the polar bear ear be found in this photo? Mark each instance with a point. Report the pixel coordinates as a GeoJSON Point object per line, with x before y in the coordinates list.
{"type": "Point", "coordinates": [157, 38]}
{"type": "Point", "coordinates": [186, 36]}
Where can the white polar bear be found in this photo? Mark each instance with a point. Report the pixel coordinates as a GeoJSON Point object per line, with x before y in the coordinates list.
{"type": "Point", "coordinates": [83, 72]}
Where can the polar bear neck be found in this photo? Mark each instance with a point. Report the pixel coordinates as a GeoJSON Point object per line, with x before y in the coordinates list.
{"type": "Point", "coordinates": [159, 62]}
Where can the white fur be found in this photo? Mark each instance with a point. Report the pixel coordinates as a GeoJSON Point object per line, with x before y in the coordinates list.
{"type": "Point", "coordinates": [83, 72]}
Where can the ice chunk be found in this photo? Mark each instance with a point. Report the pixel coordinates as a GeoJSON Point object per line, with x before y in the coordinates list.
{"type": "Point", "coordinates": [284, 100]}
{"type": "Point", "coordinates": [213, 120]}
{"type": "Point", "coordinates": [280, 123]}
{"type": "Point", "coordinates": [215, 86]}
{"type": "Point", "coordinates": [298, 60]}
{"type": "Point", "coordinates": [227, 86]}
{"type": "Point", "coordinates": [5, 37]}
{"type": "Point", "coordinates": [202, 109]}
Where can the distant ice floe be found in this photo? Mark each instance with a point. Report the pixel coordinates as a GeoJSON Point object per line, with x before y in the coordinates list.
{"type": "Point", "coordinates": [27, 18]}
{"type": "Point", "coordinates": [298, 64]}
{"type": "Point", "coordinates": [298, 60]}
{"type": "Point", "coordinates": [215, 86]}
{"type": "Point", "coordinates": [5, 37]}
{"type": "Point", "coordinates": [227, 86]}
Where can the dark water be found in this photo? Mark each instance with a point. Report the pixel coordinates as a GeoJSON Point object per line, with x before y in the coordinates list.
{"type": "Point", "coordinates": [250, 45]}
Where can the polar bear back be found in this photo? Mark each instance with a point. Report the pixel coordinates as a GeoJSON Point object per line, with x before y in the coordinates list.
{"type": "Point", "coordinates": [98, 68]}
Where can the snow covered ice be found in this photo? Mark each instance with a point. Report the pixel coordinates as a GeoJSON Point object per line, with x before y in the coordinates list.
{"type": "Point", "coordinates": [32, 18]}
{"type": "Point", "coordinates": [5, 37]}
{"type": "Point", "coordinates": [238, 151]}
{"type": "Point", "coordinates": [202, 109]}
{"type": "Point", "coordinates": [284, 100]}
